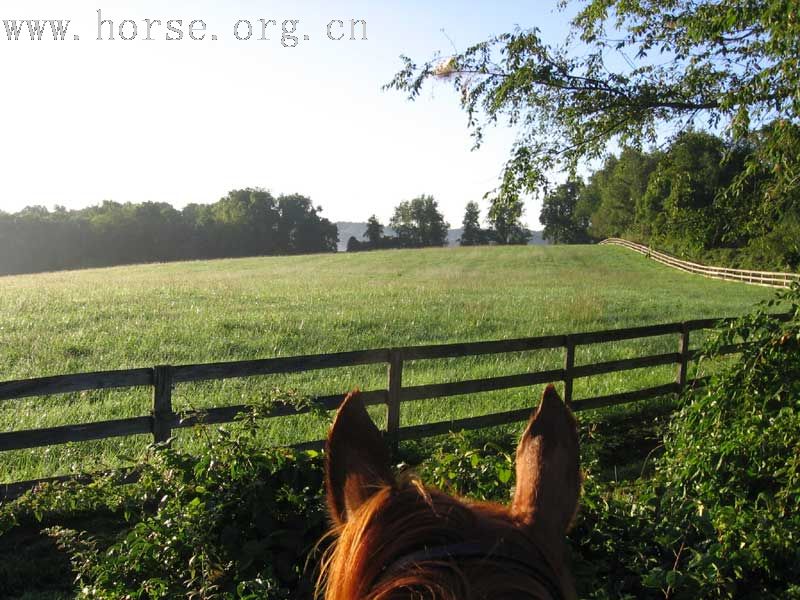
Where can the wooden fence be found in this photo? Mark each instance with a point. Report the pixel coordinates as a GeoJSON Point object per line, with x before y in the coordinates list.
{"type": "Point", "coordinates": [162, 379]}
{"type": "Point", "coordinates": [765, 278]}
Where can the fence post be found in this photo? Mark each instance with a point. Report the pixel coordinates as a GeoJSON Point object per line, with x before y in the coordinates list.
{"type": "Point", "coordinates": [393, 398]}
{"type": "Point", "coordinates": [162, 403]}
{"type": "Point", "coordinates": [569, 363]}
{"type": "Point", "coordinates": [683, 364]}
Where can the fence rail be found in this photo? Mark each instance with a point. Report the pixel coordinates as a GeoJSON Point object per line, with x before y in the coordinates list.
{"type": "Point", "coordinates": [765, 278]}
{"type": "Point", "coordinates": [163, 420]}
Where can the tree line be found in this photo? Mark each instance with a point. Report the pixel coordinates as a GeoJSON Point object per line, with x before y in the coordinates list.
{"type": "Point", "coordinates": [418, 223]}
{"type": "Point", "coordinates": [246, 222]}
{"type": "Point", "coordinates": [695, 198]}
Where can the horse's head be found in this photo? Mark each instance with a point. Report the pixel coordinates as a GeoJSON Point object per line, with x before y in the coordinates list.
{"type": "Point", "coordinates": [398, 539]}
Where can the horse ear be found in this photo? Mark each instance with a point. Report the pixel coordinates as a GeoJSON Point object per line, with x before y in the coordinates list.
{"type": "Point", "coordinates": [548, 469]}
{"type": "Point", "coordinates": [356, 460]}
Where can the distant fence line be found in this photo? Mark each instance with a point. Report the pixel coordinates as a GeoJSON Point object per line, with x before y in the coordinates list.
{"type": "Point", "coordinates": [161, 422]}
{"type": "Point", "coordinates": [765, 278]}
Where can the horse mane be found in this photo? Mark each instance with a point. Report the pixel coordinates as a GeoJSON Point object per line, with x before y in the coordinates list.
{"type": "Point", "coordinates": [365, 559]}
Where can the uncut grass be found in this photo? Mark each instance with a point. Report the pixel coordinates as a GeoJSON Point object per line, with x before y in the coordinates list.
{"type": "Point", "coordinates": [195, 312]}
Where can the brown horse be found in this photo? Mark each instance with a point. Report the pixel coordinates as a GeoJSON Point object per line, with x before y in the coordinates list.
{"type": "Point", "coordinates": [400, 540]}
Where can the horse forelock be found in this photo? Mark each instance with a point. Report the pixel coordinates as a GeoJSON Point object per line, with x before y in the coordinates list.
{"type": "Point", "coordinates": [366, 559]}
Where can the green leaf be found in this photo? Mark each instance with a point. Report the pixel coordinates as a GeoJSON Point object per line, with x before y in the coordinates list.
{"type": "Point", "coordinates": [503, 474]}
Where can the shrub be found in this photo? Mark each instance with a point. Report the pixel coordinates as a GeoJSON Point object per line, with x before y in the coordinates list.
{"type": "Point", "coordinates": [457, 467]}
{"type": "Point", "coordinates": [239, 520]}
{"type": "Point", "coordinates": [729, 479]}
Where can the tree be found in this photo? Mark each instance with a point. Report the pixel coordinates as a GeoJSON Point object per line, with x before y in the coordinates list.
{"type": "Point", "coordinates": [354, 245]}
{"type": "Point", "coordinates": [674, 199]}
{"type": "Point", "coordinates": [472, 234]}
{"type": "Point", "coordinates": [731, 64]}
{"type": "Point", "coordinates": [418, 223]}
{"type": "Point", "coordinates": [374, 232]}
{"type": "Point", "coordinates": [505, 217]}
{"type": "Point", "coordinates": [246, 222]}
{"type": "Point", "coordinates": [620, 187]}
{"type": "Point", "coordinates": [559, 215]}
{"type": "Point", "coordinates": [682, 201]}
{"type": "Point", "coordinates": [301, 229]}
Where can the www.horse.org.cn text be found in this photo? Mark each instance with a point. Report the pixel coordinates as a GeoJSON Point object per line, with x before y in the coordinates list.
{"type": "Point", "coordinates": [289, 33]}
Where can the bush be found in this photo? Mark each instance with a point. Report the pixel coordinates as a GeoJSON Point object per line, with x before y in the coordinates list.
{"type": "Point", "coordinates": [457, 467]}
{"type": "Point", "coordinates": [729, 479]}
{"type": "Point", "coordinates": [720, 518]}
{"type": "Point", "coordinates": [237, 521]}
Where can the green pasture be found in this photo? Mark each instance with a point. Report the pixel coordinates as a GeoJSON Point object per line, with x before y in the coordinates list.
{"type": "Point", "coordinates": [224, 310]}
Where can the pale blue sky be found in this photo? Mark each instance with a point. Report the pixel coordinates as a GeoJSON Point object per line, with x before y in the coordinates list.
{"type": "Point", "coordinates": [186, 121]}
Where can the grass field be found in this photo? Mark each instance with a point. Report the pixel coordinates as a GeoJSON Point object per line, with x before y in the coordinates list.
{"type": "Point", "coordinates": [198, 312]}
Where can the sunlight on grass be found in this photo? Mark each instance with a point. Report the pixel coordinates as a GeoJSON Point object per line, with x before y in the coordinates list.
{"type": "Point", "coordinates": [196, 312]}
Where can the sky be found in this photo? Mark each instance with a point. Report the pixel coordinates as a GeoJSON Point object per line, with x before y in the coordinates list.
{"type": "Point", "coordinates": [186, 120]}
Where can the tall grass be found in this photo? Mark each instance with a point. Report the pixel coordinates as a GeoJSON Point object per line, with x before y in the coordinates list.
{"type": "Point", "coordinates": [222, 310]}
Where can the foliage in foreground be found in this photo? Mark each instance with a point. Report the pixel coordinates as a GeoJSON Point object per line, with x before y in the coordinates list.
{"type": "Point", "coordinates": [238, 521]}
{"type": "Point", "coordinates": [720, 517]}
{"type": "Point", "coordinates": [731, 471]}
